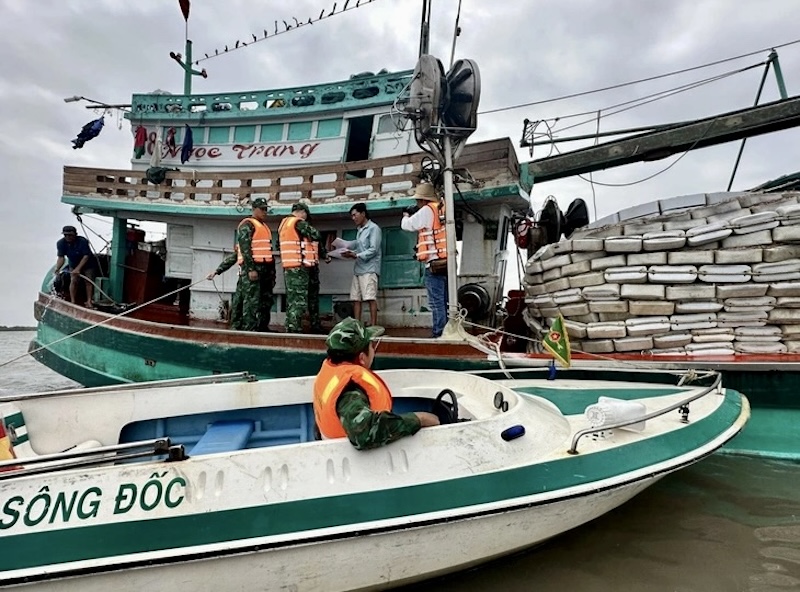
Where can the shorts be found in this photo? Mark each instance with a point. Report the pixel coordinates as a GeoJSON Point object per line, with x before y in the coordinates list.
{"type": "Point", "coordinates": [364, 287]}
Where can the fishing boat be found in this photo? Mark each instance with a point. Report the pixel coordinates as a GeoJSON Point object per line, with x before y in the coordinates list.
{"type": "Point", "coordinates": [329, 146]}
{"type": "Point", "coordinates": [371, 138]}
{"type": "Point", "coordinates": [218, 483]}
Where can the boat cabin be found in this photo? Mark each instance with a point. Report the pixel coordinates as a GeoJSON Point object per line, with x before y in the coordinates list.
{"type": "Point", "coordinates": [331, 146]}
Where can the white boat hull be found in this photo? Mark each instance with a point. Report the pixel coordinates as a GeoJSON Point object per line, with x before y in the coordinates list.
{"type": "Point", "coordinates": [373, 562]}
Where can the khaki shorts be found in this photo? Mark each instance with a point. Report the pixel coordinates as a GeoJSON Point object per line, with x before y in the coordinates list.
{"type": "Point", "coordinates": [364, 287]}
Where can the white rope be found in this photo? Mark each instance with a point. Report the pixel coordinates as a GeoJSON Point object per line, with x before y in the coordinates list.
{"type": "Point", "coordinates": [103, 322]}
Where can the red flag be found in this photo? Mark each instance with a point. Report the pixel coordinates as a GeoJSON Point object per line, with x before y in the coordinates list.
{"type": "Point", "coordinates": [185, 8]}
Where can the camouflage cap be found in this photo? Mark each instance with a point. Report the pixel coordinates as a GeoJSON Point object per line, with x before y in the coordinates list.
{"type": "Point", "coordinates": [260, 202]}
{"type": "Point", "coordinates": [301, 206]}
{"type": "Point", "coordinates": [350, 336]}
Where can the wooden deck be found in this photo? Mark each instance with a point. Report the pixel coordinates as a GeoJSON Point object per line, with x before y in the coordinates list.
{"type": "Point", "coordinates": [490, 164]}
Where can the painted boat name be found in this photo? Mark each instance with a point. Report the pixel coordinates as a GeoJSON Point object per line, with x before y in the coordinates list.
{"type": "Point", "coordinates": [239, 151]}
{"type": "Point", "coordinates": [63, 507]}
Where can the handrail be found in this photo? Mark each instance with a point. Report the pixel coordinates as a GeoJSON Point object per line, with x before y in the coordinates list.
{"type": "Point", "coordinates": [82, 458]}
{"type": "Point", "coordinates": [191, 381]}
{"type": "Point", "coordinates": [495, 164]}
{"type": "Point", "coordinates": [580, 434]}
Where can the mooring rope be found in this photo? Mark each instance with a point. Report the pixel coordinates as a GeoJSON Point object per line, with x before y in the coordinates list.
{"type": "Point", "coordinates": [103, 322]}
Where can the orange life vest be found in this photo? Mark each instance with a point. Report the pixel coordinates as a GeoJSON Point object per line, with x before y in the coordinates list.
{"type": "Point", "coordinates": [331, 382]}
{"type": "Point", "coordinates": [432, 242]}
{"type": "Point", "coordinates": [261, 243]}
{"type": "Point", "coordinates": [296, 251]}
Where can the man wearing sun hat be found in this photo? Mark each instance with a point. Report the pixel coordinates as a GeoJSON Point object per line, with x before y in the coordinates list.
{"type": "Point", "coordinates": [350, 400]}
{"type": "Point", "coordinates": [251, 305]}
{"type": "Point", "coordinates": [428, 223]}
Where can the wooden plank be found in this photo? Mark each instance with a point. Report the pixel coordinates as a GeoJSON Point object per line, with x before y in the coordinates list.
{"type": "Point", "coordinates": [486, 158]}
{"type": "Point", "coordinates": [726, 127]}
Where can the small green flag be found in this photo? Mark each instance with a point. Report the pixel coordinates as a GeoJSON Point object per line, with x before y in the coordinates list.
{"type": "Point", "coordinates": [557, 342]}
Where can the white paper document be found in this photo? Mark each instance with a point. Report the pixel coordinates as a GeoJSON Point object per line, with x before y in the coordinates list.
{"type": "Point", "coordinates": [340, 246]}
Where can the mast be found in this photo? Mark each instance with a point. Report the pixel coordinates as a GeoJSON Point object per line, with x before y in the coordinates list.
{"type": "Point", "coordinates": [425, 28]}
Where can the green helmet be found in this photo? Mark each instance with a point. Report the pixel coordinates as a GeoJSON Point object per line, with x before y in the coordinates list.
{"type": "Point", "coordinates": [350, 336]}
{"type": "Point", "coordinates": [301, 206]}
{"type": "Point", "coordinates": [260, 202]}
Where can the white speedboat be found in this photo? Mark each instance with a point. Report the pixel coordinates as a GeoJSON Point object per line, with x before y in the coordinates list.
{"type": "Point", "coordinates": [219, 483]}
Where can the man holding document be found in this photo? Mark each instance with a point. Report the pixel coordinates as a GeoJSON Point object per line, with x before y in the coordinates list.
{"type": "Point", "coordinates": [366, 250]}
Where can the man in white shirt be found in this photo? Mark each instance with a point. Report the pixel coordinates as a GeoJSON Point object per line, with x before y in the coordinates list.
{"type": "Point", "coordinates": [429, 225]}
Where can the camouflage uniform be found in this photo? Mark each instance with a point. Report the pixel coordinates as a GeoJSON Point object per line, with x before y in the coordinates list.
{"type": "Point", "coordinates": [236, 302]}
{"type": "Point", "coordinates": [251, 306]}
{"type": "Point", "coordinates": [364, 427]}
{"type": "Point", "coordinates": [302, 287]}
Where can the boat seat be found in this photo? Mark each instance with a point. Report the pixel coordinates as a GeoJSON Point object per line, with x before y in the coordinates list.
{"type": "Point", "coordinates": [224, 436]}
{"type": "Point", "coordinates": [17, 431]}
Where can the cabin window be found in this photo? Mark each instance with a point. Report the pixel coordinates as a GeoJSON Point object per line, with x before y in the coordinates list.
{"type": "Point", "coordinates": [244, 133]}
{"type": "Point", "coordinates": [198, 135]}
{"type": "Point", "coordinates": [272, 132]}
{"type": "Point", "coordinates": [391, 125]}
{"type": "Point", "coordinates": [329, 128]}
{"type": "Point", "coordinates": [218, 135]}
{"type": "Point", "coordinates": [300, 130]}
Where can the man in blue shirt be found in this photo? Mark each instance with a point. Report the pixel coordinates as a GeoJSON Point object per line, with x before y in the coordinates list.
{"type": "Point", "coordinates": [367, 254]}
{"type": "Point", "coordinates": [75, 251]}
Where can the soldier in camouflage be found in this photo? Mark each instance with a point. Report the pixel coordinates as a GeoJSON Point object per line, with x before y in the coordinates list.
{"type": "Point", "coordinates": [350, 400]}
{"type": "Point", "coordinates": [302, 279]}
{"type": "Point", "coordinates": [313, 288]}
{"type": "Point", "coordinates": [251, 306]}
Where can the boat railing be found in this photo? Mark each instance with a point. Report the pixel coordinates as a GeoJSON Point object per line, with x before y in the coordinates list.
{"type": "Point", "coordinates": [191, 381]}
{"type": "Point", "coordinates": [682, 406]}
{"type": "Point", "coordinates": [88, 457]}
{"type": "Point", "coordinates": [490, 163]}
{"type": "Point", "coordinates": [361, 91]}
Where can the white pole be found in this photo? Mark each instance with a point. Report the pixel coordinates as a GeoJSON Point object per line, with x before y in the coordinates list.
{"type": "Point", "coordinates": [450, 227]}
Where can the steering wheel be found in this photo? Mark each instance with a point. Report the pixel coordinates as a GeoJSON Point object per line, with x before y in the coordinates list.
{"type": "Point", "coordinates": [446, 411]}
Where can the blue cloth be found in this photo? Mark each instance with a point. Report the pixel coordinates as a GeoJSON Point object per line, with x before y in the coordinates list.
{"type": "Point", "coordinates": [188, 145]}
{"type": "Point", "coordinates": [75, 251]}
{"type": "Point", "coordinates": [437, 300]}
{"type": "Point", "coordinates": [88, 131]}
{"type": "Point", "coordinates": [368, 249]}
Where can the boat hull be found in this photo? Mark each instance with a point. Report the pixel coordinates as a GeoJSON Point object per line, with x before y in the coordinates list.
{"type": "Point", "coordinates": [396, 557]}
{"type": "Point", "coordinates": [261, 513]}
{"type": "Point", "coordinates": [99, 349]}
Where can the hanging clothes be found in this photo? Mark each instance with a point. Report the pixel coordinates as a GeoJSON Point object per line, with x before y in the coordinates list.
{"type": "Point", "coordinates": [88, 131]}
{"type": "Point", "coordinates": [170, 138]}
{"type": "Point", "coordinates": [155, 158]}
{"type": "Point", "coordinates": [139, 141]}
{"type": "Point", "coordinates": [188, 145]}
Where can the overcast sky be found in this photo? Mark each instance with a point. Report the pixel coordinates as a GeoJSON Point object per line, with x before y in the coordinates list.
{"type": "Point", "coordinates": [527, 50]}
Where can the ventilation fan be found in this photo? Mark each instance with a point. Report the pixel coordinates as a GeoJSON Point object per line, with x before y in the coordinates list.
{"type": "Point", "coordinates": [464, 84]}
{"type": "Point", "coordinates": [576, 216]}
{"type": "Point", "coordinates": [550, 221]}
